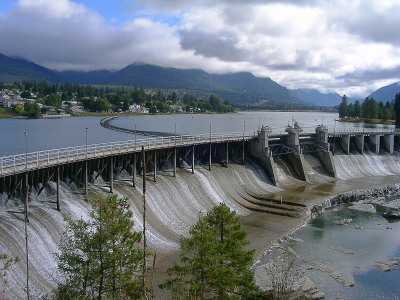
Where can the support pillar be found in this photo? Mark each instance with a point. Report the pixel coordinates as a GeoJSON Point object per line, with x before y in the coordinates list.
{"type": "Point", "coordinates": [86, 177]}
{"type": "Point", "coordinates": [389, 142]}
{"type": "Point", "coordinates": [359, 139]}
{"type": "Point", "coordinates": [111, 174]}
{"type": "Point", "coordinates": [209, 161]}
{"type": "Point", "coordinates": [155, 166]}
{"type": "Point", "coordinates": [134, 170]}
{"type": "Point", "coordinates": [345, 143]}
{"type": "Point", "coordinates": [243, 153]}
{"type": "Point", "coordinates": [58, 188]}
{"type": "Point", "coordinates": [174, 162]}
{"type": "Point", "coordinates": [193, 159]}
{"type": "Point", "coordinates": [375, 142]}
{"type": "Point", "coordinates": [227, 154]}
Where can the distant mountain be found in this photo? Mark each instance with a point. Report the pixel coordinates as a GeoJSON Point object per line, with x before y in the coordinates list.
{"type": "Point", "coordinates": [317, 98]}
{"type": "Point", "coordinates": [386, 93]}
{"type": "Point", "coordinates": [18, 69]}
{"type": "Point", "coordinates": [239, 88]}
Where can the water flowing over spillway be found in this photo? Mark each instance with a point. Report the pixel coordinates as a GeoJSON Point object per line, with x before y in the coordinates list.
{"type": "Point", "coordinates": [173, 205]}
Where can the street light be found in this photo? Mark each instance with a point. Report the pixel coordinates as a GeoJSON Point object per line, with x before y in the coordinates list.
{"type": "Point", "coordinates": [26, 150]}
{"type": "Point", "coordinates": [210, 132]}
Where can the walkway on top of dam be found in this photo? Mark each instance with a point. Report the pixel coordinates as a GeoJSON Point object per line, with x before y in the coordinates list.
{"type": "Point", "coordinates": [19, 163]}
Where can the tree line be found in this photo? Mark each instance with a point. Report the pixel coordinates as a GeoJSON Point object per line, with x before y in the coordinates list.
{"type": "Point", "coordinates": [117, 99]}
{"type": "Point", "coordinates": [369, 109]}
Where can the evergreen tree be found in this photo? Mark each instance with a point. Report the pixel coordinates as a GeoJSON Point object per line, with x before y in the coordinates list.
{"type": "Point", "coordinates": [343, 107]}
{"type": "Point", "coordinates": [215, 263]}
{"type": "Point", "coordinates": [357, 109]}
{"type": "Point", "coordinates": [100, 257]}
{"type": "Point", "coordinates": [396, 107]}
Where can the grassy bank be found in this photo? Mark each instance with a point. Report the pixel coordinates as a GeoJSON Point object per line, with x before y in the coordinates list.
{"type": "Point", "coordinates": [368, 121]}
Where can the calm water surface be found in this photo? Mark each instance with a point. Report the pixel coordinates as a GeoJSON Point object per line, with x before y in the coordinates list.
{"type": "Point", "coordinates": [46, 134]}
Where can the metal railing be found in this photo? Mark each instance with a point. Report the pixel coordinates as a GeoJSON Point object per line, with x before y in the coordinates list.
{"type": "Point", "coordinates": [42, 159]}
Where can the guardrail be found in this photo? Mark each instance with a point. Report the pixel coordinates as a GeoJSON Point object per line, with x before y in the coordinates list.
{"type": "Point", "coordinates": [41, 159]}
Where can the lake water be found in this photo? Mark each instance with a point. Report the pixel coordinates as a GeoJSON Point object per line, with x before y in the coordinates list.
{"type": "Point", "coordinates": [44, 134]}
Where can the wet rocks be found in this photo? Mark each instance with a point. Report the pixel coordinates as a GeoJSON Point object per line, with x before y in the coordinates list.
{"type": "Point", "coordinates": [333, 271]}
{"type": "Point", "coordinates": [363, 207]}
{"type": "Point", "coordinates": [387, 266]}
{"type": "Point", "coordinates": [343, 222]}
{"type": "Point", "coordinates": [308, 287]}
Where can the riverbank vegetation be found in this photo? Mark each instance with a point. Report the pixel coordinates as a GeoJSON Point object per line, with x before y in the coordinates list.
{"type": "Point", "coordinates": [88, 99]}
{"type": "Point", "coordinates": [370, 111]}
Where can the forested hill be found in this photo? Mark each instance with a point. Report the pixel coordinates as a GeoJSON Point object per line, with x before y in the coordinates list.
{"type": "Point", "coordinates": [239, 88]}
{"type": "Point", "coordinates": [242, 89]}
{"type": "Point", "coordinates": [18, 69]}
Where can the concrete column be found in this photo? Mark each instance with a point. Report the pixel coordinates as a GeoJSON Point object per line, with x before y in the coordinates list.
{"type": "Point", "coordinates": [155, 166]}
{"type": "Point", "coordinates": [263, 135]}
{"type": "Point", "coordinates": [227, 154]}
{"type": "Point", "coordinates": [134, 170]}
{"type": "Point", "coordinates": [374, 140]}
{"type": "Point", "coordinates": [209, 161]}
{"type": "Point", "coordinates": [243, 153]}
{"type": "Point", "coordinates": [389, 142]}
{"type": "Point", "coordinates": [86, 177]}
{"type": "Point", "coordinates": [345, 143]}
{"type": "Point", "coordinates": [174, 162]}
{"type": "Point", "coordinates": [111, 174]}
{"type": "Point", "coordinates": [58, 188]}
{"type": "Point", "coordinates": [360, 143]}
{"type": "Point", "coordinates": [193, 159]}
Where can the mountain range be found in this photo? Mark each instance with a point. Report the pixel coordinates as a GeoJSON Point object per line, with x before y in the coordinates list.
{"type": "Point", "coordinates": [241, 88]}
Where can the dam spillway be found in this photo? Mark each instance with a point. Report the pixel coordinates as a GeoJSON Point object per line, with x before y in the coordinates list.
{"type": "Point", "coordinates": [173, 201]}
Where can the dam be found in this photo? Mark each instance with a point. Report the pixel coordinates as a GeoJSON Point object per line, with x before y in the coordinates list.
{"type": "Point", "coordinates": [249, 172]}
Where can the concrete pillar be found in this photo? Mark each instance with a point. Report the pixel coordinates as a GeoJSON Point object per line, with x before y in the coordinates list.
{"type": "Point", "coordinates": [326, 159]}
{"type": "Point", "coordinates": [374, 140]}
{"type": "Point", "coordinates": [193, 159]}
{"type": "Point", "coordinates": [155, 166]}
{"type": "Point", "coordinates": [243, 153]}
{"type": "Point", "coordinates": [322, 136]}
{"type": "Point", "coordinates": [111, 174]}
{"type": "Point", "coordinates": [209, 161]}
{"type": "Point", "coordinates": [344, 141]}
{"type": "Point", "coordinates": [134, 170]}
{"type": "Point", "coordinates": [227, 154]}
{"type": "Point", "coordinates": [263, 135]}
{"type": "Point", "coordinates": [58, 188]}
{"type": "Point", "coordinates": [360, 143]}
{"type": "Point", "coordinates": [389, 142]}
{"type": "Point", "coordinates": [174, 162]}
{"type": "Point", "coordinates": [86, 177]}
{"type": "Point", "coordinates": [293, 139]}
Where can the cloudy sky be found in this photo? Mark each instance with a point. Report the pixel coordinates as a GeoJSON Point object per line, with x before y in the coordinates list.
{"type": "Point", "coordinates": [348, 46]}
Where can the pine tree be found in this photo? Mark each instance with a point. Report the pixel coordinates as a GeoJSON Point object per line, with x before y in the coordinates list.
{"type": "Point", "coordinates": [100, 257]}
{"type": "Point", "coordinates": [343, 107]}
{"type": "Point", "coordinates": [397, 109]}
{"type": "Point", "coordinates": [215, 263]}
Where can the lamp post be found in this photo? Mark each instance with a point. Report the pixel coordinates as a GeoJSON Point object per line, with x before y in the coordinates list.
{"type": "Point", "coordinates": [175, 134]}
{"type": "Point", "coordinates": [334, 137]}
{"type": "Point", "coordinates": [26, 150]}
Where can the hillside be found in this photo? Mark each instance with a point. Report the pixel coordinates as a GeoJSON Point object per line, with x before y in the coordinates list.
{"type": "Point", "coordinates": [17, 69]}
{"type": "Point", "coordinates": [317, 98]}
{"type": "Point", "coordinates": [239, 88]}
{"type": "Point", "coordinates": [386, 93]}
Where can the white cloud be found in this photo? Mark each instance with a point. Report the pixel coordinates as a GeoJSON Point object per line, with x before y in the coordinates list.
{"type": "Point", "coordinates": [344, 45]}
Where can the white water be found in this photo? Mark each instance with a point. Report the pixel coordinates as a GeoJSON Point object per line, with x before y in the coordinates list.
{"type": "Point", "coordinates": [173, 205]}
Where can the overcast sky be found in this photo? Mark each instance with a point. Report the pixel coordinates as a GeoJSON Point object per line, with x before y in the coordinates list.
{"type": "Point", "coordinates": [348, 46]}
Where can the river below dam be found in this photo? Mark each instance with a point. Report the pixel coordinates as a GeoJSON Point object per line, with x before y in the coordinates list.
{"type": "Point", "coordinates": [174, 203]}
